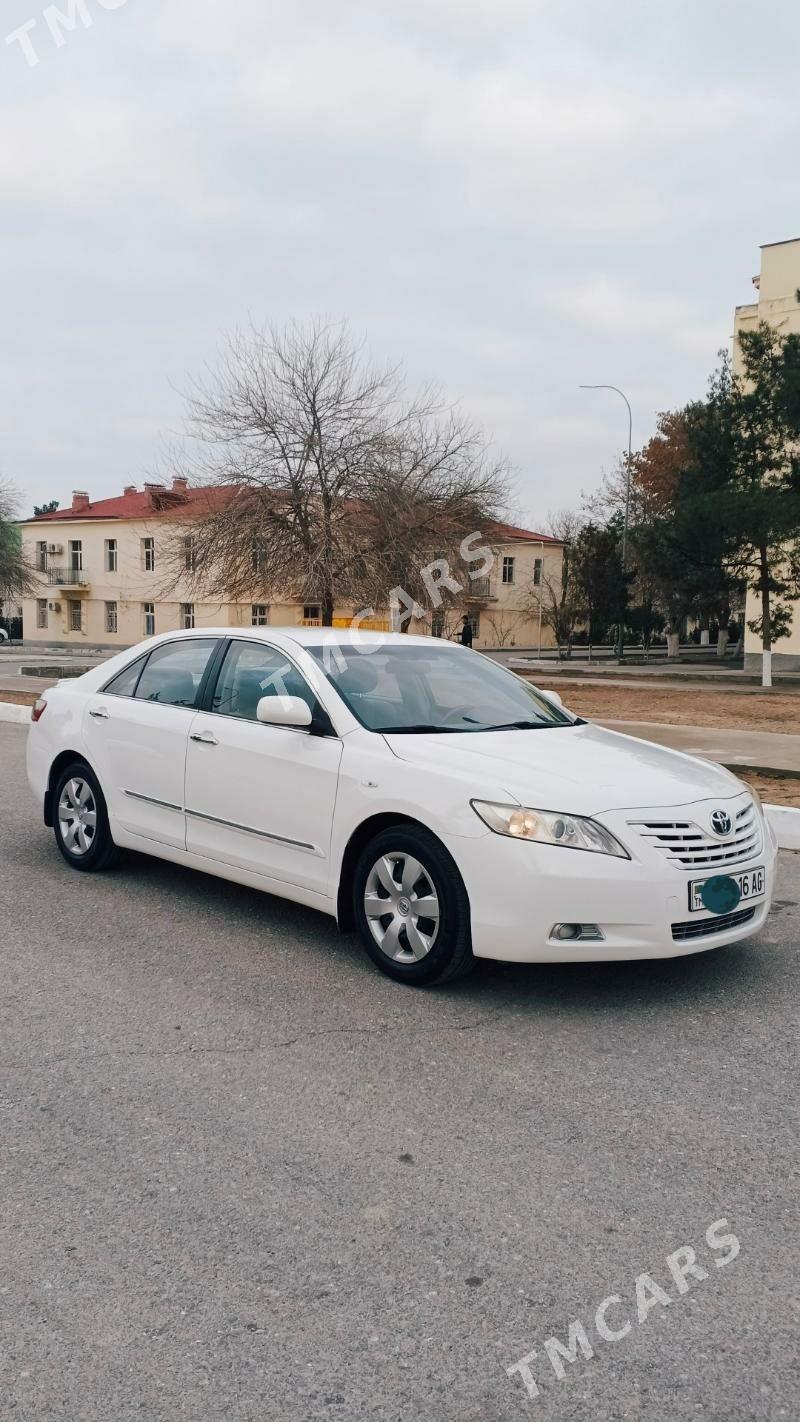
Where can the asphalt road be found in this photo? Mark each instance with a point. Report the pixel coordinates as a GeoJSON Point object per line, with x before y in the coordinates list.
{"type": "Point", "coordinates": [242, 1176]}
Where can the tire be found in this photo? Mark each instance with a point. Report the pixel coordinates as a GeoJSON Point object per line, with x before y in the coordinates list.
{"type": "Point", "coordinates": [80, 820]}
{"type": "Point", "coordinates": [404, 868]}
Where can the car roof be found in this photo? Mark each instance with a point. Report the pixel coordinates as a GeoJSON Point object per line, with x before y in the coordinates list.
{"type": "Point", "coordinates": [310, 636]}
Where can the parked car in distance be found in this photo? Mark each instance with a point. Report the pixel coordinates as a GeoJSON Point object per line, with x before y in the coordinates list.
{"type": "Point", "coordinates": [425, 796]}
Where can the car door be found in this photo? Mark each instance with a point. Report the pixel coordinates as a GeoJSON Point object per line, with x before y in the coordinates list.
{"type": "Point", "coordinates": [136, 732]}
{"type": "Point", "coordinates": [261, 797]}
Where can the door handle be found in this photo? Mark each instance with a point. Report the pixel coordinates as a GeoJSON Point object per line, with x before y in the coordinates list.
{"type": "Point", "coordinates": [205, 738]}
{"type": "Point", "coordinates": [100, 714]}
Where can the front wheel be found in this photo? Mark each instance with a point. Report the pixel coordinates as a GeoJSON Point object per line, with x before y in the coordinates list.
{"type": "Point", "coordinates": [411, 908]}
{"type": "Point", "coordinates": [80, 820]}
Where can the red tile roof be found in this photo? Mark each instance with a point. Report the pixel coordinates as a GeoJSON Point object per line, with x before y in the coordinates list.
{"type": "Point", "coordinates": [143, 504]}
{"type": "Point", "coordinates": [510, 532]}
{"type": "Point", "coordinates": [157, 501]}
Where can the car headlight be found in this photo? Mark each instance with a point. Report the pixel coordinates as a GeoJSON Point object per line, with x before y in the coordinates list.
{"type": "Point", "coordinates": [549, 827]}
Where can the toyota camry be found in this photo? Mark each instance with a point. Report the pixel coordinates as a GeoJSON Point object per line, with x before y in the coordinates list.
{"type": "Point", "coordinates": [426, 797]}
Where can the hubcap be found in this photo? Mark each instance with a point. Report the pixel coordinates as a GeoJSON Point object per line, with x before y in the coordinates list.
{"type": "Point", "coordinates": [402, 907]}
{"type": "Point", "coordinates": [77, 817]}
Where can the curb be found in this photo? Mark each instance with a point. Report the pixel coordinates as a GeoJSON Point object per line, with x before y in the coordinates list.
{"type": "Point", "coordinates": [9, 711]}
{"type": "Point", "coordinates": [785, 824]}
{"type": "Point", "coordinates": [770, 772]}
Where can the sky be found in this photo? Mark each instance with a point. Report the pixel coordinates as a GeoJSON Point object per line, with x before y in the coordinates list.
{"type": "Point", "coordinates": [511, 196]}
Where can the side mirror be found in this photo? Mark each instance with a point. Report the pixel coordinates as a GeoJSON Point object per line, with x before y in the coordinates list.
{"type": "Point", "coordinates": [283, 711]}
{"type": "Point", "coordinates": [552, 696]}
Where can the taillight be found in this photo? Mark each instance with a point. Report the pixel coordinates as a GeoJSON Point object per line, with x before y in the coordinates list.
{"type": "Point", "coordinates": [38, 709]}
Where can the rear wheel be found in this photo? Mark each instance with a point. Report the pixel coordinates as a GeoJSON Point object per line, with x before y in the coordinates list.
{"type": "Point", "coordinates": [411, 908]}
{"type": "Point", "coordinates": [80, 820]}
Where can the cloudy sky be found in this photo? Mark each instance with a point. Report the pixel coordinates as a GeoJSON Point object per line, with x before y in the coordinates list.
{"type": "Point", "coordinates": [513, 196]}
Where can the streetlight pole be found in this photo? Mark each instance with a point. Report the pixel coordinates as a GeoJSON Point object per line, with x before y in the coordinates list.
{"type": "Point", "coordinates": [621, 393]}
{"type": "Point", "coordinates": [541, 579]}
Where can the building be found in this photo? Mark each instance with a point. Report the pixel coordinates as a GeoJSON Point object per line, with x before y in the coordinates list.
{"type": "Point", "coordinates": [107, 578]}
{"type": "Point", "coordinates": [777, 285]}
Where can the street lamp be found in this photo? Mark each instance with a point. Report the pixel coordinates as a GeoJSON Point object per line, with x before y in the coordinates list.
{"type": "Point", "coordinates": [541, 580]}
{"type": "Point", "coordinates": [616, 389]}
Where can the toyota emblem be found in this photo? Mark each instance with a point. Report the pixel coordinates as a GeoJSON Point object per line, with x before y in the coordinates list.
{"type": "Point", "coordinates": [721, 822]}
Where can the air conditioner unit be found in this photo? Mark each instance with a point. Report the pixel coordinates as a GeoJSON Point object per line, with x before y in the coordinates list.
{"type": "Point", "coordinates": [55, 548]}
{"type": "Point", "coordinates": [54, 606]}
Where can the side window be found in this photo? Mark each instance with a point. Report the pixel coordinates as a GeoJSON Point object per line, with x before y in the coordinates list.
{"type": "Point", "coordinates": [124, 683]}
{"type": "Point", "coordinates": [252, 670]}
{"type": "Point", "coordinates": [174, 672]}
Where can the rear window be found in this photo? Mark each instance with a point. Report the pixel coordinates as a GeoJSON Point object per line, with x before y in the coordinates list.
{"type": "Point", "coordinates": [124, 683]}
{"type": "Point", "coordinates": [174, 672]}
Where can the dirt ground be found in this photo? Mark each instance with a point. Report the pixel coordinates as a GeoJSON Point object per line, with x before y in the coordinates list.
{"type": "Point", "coordinates": [688, 705]}
{"type": "Point", "coordinates": [773, 789]}
{"type": "Point", "coordinates": [18, 698]}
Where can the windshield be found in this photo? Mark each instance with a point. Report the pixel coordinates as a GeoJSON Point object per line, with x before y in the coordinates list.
{"type": "Point", "coordinates": [419, 689]}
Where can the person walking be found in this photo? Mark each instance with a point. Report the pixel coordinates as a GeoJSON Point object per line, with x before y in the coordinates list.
{"type": "Point", "coordinates": [466, 632]}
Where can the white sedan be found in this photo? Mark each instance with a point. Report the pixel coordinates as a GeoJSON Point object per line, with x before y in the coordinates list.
{"type": "Point", "coordinates": [417, 791]}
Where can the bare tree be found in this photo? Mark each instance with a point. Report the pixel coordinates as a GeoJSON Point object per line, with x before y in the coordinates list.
{"type": "Point", "coordinates": [555, 597]}
{"type": "Point", "coordinates": [16, 575]}
{"type": "Point", "coordinates": [505, 628]}
{"type": "Point", "coordinates": [328, 482]}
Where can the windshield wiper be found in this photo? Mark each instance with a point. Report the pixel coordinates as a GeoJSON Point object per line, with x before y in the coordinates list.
{"type": "Point", "coordinates": [529, 725]}
{"type": "Point", "coordinates": [414, 730]}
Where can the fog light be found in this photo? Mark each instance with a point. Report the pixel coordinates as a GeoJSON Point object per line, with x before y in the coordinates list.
{"type": "Point", "coordinates": [563, 931]}
{"type": "Point", "coordinates": [577, 933]}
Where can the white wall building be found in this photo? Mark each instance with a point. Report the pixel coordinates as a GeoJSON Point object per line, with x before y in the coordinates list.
{"type": "Point", "coordinates": [107, 578]}
{"type": "Point", "coordinates": [778, 285]}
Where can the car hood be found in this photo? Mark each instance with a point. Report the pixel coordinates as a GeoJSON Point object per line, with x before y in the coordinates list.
{"type": "Point", "coordinates": [581, 769]}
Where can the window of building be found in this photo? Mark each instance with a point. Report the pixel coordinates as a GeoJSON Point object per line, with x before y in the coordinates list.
{"type": "Point", "coordinates": [173, 673]}
{"type": "Point", "coordinates": [149, 610]}
{"type": "Point", "coordinates": [76, 555]}
{"type": "Point", "coordinates": [252, 670]}
{"type": "Point", "coordinates": [187, 615]}
{"type": "Point", "coordinates": [474, 620]}
{"type": "Point", "coordinates": [508, 570]}
{"type": "Point", "coordinates": [111, 617]}
{"type": "Point", "coordinates": [149, 555]}
{"type": "Point", "coordinates": [259, 555]}
{"type": "Point", "coordinates": [311, 612]}
{"type": "Point", "coordinates": [111, 555]}
{"type": "Point", "coordinates": [259, 614]}
{"type": "Point", "coordinates": [537, 572]}
{"type": "Point", "coordinates": [75, 617]}
{"type": "Point", "coordinates": [41, 612]}
{"type": "Point", "coordinates": [437, 624]}
{"type": "Point", "coordinates": [41, 557]}
{"type": "Point", "coordinates": [190, 553]}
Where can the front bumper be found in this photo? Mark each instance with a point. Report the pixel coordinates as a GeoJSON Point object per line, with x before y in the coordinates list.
{"type": "Point", "coordinates": [519, 891]}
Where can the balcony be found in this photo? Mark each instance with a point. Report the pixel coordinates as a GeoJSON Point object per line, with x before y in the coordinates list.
{"type": "Point", "coordinates": [76, 578]}
{"type": "Point", "coordinates": [481, 588]}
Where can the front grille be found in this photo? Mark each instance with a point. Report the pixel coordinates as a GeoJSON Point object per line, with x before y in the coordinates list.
{"type": "Point", "coordinates": [682, 931]}
{"type": "Point", "coordinates": [690, 846]}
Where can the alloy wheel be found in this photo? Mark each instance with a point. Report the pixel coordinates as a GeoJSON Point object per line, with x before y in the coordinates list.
{"type": "Point", "coordinates": [77, 815]}
{"type": "Point", "coordinates": [402, 907]}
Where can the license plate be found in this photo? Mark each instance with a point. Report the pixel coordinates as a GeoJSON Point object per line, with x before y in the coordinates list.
{"type": "Point", "coordinates": [751, 885]}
